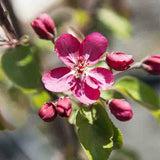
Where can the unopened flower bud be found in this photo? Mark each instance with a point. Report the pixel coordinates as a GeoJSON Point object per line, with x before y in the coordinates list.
{"type": "Point", "coordinates": [121, 109]}
{"type": "Point", "coordinates": [44, 26]}
{"type": "Point", "coordinates": [47, 112]}
{"type": "Point", "coordinates": [119, 61]}
{"type": "Point", "coordinates": [152, 64]}
{"type": "Point", "coordinates": [64, 107]}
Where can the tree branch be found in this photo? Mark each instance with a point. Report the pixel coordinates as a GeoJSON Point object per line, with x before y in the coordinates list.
{"type": "Point", "coordinates": [13, 17]}
{"type": "Point", "coordinates": [6, 25]}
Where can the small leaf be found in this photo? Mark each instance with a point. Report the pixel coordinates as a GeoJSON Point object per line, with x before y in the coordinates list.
{"type": "Point", "coordinates": [138, 91]}
{"type": "Point", "coordinates": [73, 115]}
{"type": "Point", "coordinates": [96, 132]}
{"type": "Point", "coordinates": [117, 138]}
{"type": "Point", "coordinates": [22, 67]}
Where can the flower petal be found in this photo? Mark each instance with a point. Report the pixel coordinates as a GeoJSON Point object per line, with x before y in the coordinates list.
{"type": "Point", "coordinates": [67, 49]}
{"type": "Point", "coordinates": [59, 79]}
{"type": "Point", "coordinates": [100, 78]}
{"type": "Point", "coordinates": [93, 47]}
{"type": "Point", "coordinates": [84, 93]}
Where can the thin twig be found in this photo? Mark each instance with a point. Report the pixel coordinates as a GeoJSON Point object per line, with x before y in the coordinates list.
{"type": "Point", "coordinates": [135, 66]}
{"type": "Point", "coordinates": [15, 22]}
{"type": "Point", "coordinates": [6, 25]}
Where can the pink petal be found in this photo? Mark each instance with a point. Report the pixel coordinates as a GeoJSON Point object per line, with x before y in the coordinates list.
{"type": "Point", "coordinates": [48, 22]}
{"type": "Point", "coordinates": [59, 79]}
{"type": "Point", "coordinates": [84, 93]}
{"type": "Point", "coordinates": [100, 78]}
{"type": "Point", "coordinates": [67, 49]}
{"type": "Point", "coordinates": [93, 47]}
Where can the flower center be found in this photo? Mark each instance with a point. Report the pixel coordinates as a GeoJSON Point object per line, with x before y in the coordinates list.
{"type": "Point", "coordinates": [81, 67]}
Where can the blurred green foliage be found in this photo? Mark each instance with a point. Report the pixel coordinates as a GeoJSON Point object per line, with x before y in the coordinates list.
{"type": "Point", "coordinates": [118, 25]}
{"type": "Point", "coordinates": [40, 98]}
{"type": "Point", "coordinates": [125, 154]}
{"type": "Point", "coordinates": [81, 17]}
{"type": "Point", "coordinates": [21, 65]}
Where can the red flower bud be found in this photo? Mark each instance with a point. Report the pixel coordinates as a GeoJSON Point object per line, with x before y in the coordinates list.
{"type": "Point", "coordinates": [121, 109]}
{"type": "Point", "coordinates": [47, 112]}
{"type": "Point", "coordinates": [119, 61]}
{"type": "Point", "coordinates": [152, 64]}
{"type": "Point", "coordinates": [44, 26]}
{"type": "Point", "coordinates": [63, 107]}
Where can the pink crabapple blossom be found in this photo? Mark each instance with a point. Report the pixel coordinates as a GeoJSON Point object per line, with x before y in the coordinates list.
{"type": "Point", "coordinates": [44, 26]}
{"type": "Point", "coordinates": [152, 64]}
{"type": "Point", "coordinates": [121, 109]}
{"type": "Point", "coordinates": [47, 112]}
{"type": "Point", "coordinates": [83, 81]}
{"type": "Point", "coordinates": [64, 106]}
{"type": "Point", "coordinates": [119, 61]}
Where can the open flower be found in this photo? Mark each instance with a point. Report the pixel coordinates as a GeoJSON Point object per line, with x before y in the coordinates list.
{"type": "Point", "coordinates": [83, 82]}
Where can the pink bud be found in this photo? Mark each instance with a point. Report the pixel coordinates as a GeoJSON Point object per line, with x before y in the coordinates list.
{"type": "Point", "coordinates": [121, 109]}
{"type": "Point", "coordinates": [47, 112]}
{"type": "Point", "coordinates": [63, 107]}
{"type": "Point", "coordinates": [44, 26]}
{"type": "Point", "coordinates": [152, 64]}
{"type": "Point", "coordinates": [119, 61]}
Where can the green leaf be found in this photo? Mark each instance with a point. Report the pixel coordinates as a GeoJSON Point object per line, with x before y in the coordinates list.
{"type": "Point", "coordinates": [44, 45]}
{"type": "Point", "coordinates": [117, 138]}
{"type": "Point", "coordinates": [21, 65]}
{"type": "Point", "coordinates": [75, 109]}
{"type": "Point", "coordinates": [109, 94]}
{"type": "Point", "coordinates": [96, 132]}
{"type": "Point", "coordinates": [138, 91]}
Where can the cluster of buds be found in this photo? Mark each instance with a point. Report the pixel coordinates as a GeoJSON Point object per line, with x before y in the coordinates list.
{"type": "Point", "coordinates": [50, 110]}
{"type": "Point", "coordinates": [122, 62]}
{"type": "Point", "coordinates": [121, 109]}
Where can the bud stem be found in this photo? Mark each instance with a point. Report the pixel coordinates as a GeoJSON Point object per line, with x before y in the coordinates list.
{"type": "Point", "coordinates": [137, 65]}
{"type": "Point", "coordinates": [105, 100]}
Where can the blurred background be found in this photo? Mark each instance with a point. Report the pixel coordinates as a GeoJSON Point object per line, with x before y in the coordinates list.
{"type": "Point", "coordinates": [130, 26]}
